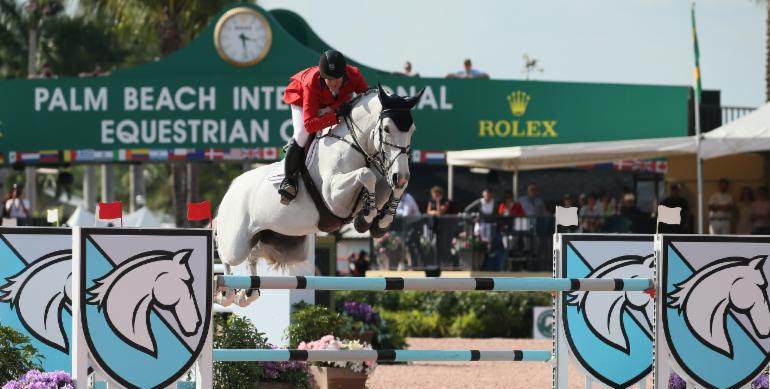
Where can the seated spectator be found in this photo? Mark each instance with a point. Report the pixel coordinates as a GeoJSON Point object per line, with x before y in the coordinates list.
{"type": "Point", "coordinates": [532, 204]}
{"type": "Point", "coordinates": [408, 70]}
{"type": "Point", "coordinates": [567, 201]}
{"type": "Point", "coordinates": [591, 215]}
{"type": "Point", "coordinates": [468, 72]}
{"type": "Point", "coordinates": [760, 213]}
{"type": "Point", "coordinates": [607, 204]}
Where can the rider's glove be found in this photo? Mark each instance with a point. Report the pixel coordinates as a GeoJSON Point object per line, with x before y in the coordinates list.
{"type": "Point", "coordinates": [343, 110]}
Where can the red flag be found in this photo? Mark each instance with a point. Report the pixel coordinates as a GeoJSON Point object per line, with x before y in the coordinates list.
{"type": "Point", "coordinates": [199, 211]}
{"type": "Point", "coordinates": [109, 211]}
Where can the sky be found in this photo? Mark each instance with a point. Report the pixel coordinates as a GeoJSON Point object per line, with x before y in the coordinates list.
{"type": "Point", "coordinates": [606, 41]}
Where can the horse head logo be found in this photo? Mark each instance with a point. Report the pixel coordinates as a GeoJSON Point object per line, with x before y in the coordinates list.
{"type": "Point", "coordinates": [40, 294]}
{"type": "Point", "coordinates": [603, 311]}
{"type": "Point", "coordinates": [151, 279]}
{"type": "Point", "coordinates": [707, 296]}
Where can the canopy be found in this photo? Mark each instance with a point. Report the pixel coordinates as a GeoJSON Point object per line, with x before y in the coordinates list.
{"type": "Point", "coordinates": [747, 134]}
{"type": "Point", "coordinates": [81, 217]}
{"type": "Point", "coordinates": [142, 217]}
{"type": "Point", "coordinates": [572, 154]}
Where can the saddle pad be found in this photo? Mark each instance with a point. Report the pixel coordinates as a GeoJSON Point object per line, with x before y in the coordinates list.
{"type": "Point", "coordinates": [276, 168]}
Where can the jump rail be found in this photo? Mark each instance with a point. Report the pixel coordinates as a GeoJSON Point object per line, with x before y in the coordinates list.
{"type": "Point", "coordinates": [502, 284]}
{"type": "Point", "coordinates": [233, 355]}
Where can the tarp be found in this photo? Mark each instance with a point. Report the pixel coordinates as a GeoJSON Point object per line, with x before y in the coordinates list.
{"type": "Point", "coordinates": [747, 134]}
{"type": "Point", "coordinates": [572, 154]}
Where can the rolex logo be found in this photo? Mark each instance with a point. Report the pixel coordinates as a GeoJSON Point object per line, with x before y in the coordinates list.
{"type": "Point", "coordinates": [518, 101]}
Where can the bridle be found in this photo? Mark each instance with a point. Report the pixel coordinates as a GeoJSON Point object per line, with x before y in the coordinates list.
{"type": "Point", "coordinates": [378, 160]}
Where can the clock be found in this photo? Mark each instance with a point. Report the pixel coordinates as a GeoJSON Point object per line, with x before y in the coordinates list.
{"type": "Point", "coordinates": [242, 37]}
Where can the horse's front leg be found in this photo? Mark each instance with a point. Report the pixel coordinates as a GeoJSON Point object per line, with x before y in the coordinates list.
{"type": "Point", "coordinates": [344, 191]}
{"type": "Point", "coordinates": [385, 216]}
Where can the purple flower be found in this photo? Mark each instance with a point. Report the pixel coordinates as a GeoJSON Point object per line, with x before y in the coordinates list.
{"type": "Point", "coordinates": [676, 382]}
{"type": "Point", "coordinates": [361, 312]}
{"type": "Point", "coordinates": [34, 379]}
{"type": "Point", "coordinates": [760, 382]}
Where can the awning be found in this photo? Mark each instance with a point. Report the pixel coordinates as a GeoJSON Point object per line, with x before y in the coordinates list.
{"type": "Point", "coordinates": [747, 134]}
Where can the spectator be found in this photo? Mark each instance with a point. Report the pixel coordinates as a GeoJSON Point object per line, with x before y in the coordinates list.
{"type": "Point", "coordinates": [567, 201]}
{"type": "Point", "coordinates": [95, 73]}
{"type": "Point", "coordinates": [361, 265]}
{"type": "Point", "coordinates": [591, 214]}
{"type": "Point", "coordinates": [508, 207]}
{"type": "Point", "coordinates": [437, 205]}
{"type": "Point", "coordinates": [468, 72]}
{"type": "Point", "coordinates": [408, 70]}
{"type": "Point", "coordinates": [674, 200]}
{"type": "Point", "coordinates": [760, 213]}
{"type": "Point", "coordinates": [634, 218]}
{"type": "Point", "coordinates": [532, 205]}
{"type": "Point", "coordinates": [485, 207]}
{"type": "Point", "coordinates": [721, 206]}
{"type": "Point", "coordinates": [607, 205]}
{"type": "Point", "coordinates": [409, 214]}
{"type": "Point", "coordinates": [743, 227]}
{"type": "Point", "coordinates": [582, 200]}
{"type": "Point", "coordinates": [17, 207]}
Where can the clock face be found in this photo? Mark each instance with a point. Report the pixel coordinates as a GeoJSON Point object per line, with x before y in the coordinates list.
{"type": "Point", "coordinates": [242, 36]}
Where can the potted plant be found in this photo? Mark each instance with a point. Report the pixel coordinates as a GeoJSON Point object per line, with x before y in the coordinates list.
{"type": "Point", "coordinates": [39, 380]}
{"type": "Point", "coordinates": [340, 374]}
{"type": "Point", "coordinates": [284, 375]}
{"type": "Point", "coordinates": [363, 321]}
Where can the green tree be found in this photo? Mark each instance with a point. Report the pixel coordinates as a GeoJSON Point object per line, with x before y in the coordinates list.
{"type": "Point", "coordinates": [17, 356]}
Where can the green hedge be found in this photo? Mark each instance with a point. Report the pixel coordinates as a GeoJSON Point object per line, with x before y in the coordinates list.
{"type": "Point", "coordinates": [456, 314]}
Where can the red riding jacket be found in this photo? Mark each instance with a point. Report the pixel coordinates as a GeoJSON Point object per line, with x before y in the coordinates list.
{"type": "Point", "coordinates": [308, 90]}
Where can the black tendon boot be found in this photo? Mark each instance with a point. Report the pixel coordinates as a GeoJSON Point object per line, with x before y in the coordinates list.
{"type": "Point", "coordinates": [291, 165]}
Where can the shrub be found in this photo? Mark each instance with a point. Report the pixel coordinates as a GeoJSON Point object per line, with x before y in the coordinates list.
{"type": "Point", "coordinates": [17, 355]}
{"type": "Point", "coordinates": [231, 333]}
{"type": "Point", "coordinates": [468, 326]}
{"type": "Point", "coordinates": [311, 322]}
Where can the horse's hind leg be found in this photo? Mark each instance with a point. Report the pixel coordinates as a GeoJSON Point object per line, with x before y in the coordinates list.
{"type": "Point", "coordinates": [244, 297]}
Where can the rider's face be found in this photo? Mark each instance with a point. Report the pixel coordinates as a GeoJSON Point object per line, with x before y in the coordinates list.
{"type": "Point", "coordinates": [334, 85]}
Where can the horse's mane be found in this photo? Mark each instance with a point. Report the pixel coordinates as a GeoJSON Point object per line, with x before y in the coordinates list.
{"type": "Point", "coordinates": [578, 297]}
{"type": "Point", "coordinates": [11, 291]}
{"type": "Point", "coordinates": [683, 289]}
{"type": "Point", "coordinates": [102, 286]}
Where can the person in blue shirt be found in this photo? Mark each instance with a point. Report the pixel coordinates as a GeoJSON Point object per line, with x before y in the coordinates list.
{"type": "Point", "coordinates": [468, 72]}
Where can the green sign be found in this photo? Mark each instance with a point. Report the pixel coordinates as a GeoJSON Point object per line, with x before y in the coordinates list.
{"type": "Point", "coordinates": [198, 103]}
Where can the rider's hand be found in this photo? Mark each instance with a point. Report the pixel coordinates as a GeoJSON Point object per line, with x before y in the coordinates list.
{"type": "Point", "coordinates": [343, 110]}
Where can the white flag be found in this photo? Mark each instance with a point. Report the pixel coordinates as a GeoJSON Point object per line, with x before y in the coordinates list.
{"type": "Point", "coordinates": [669, 215]}
{"type": "Point", "coordinates": [53, 216]}
{"type": "Point", "coordinates": [566, 216]}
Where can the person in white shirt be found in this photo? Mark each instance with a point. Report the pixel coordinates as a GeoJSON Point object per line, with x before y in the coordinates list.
{"type": "Point", "coordinates": [409, 214]}
{"type": "Point", "coordinates": [408, 209]}
{"type": "Point", "coordinates": [721, 206]}
{"type": "Point", "coordinates": [17, 207]}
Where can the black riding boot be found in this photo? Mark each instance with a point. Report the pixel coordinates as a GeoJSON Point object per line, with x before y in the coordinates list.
{"type": "Point", "coordinates": [291, 165]}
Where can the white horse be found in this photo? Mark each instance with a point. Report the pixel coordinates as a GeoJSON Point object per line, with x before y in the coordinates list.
{"type": "Point", "coordinates": [359, 169]}
{"type": "Point", "coordinates": [604, 310]}
{"type": "Point", "coordinates": [155, 278]}
{"type": "Point", "coordinates": [711, 293]}
{"type": "Point", "coordinates": [40, 294]}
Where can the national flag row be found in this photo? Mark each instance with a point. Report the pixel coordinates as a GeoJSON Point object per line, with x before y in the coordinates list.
{"type": "Point", "coordinates": [175, 154]}
{"type": "Point", "coordinates": [143, 154]}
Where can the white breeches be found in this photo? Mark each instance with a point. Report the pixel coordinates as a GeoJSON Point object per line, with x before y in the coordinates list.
{"type": "Point", "coordinates": [298, 121]}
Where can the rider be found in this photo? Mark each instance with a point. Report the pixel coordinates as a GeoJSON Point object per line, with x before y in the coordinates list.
{"type": "Point", "coordinates": [319, 97]}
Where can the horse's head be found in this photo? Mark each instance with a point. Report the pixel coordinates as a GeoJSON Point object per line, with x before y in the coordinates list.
{"type": "Point", "coordinates": [173, 291]}
{"type": "Point", "coordinates": [748, 293]}
{"type": "Point", "coordinates": [395, 137]}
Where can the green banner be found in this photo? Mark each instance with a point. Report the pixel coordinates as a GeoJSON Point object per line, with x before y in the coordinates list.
{"type": "Point", "coordinates": [194, 104]}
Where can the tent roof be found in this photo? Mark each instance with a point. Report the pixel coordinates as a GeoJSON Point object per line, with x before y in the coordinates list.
{"type": "Point", "coordinates": [747, 134]}
{"type": "Point", "coordinates": [571, 154]}
{"type": "Point", "coordinates": [142, 217]}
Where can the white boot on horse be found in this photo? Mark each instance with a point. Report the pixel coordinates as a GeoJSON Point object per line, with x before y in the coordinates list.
{"type": "Point", "coordinates": [357, 171]}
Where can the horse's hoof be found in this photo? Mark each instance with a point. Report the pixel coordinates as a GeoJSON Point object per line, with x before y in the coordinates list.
{"type": "Point", "coordinates": [246, 296]}
{"type": "Point", "coordinates": [375, 231]}
{"type": "Point", "coordinates": [360, 224]}
{"type": "Point", "coordinates": [224, 297]}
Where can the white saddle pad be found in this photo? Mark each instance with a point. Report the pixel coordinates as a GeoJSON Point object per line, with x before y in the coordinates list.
{"type": "Point", "coordinates": [276, 168]}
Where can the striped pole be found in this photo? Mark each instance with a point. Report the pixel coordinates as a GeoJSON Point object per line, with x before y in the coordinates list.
{"type": "Point", "coordinates": [502, 284]}
{"type": "Point", "coordinates": [260, 355]}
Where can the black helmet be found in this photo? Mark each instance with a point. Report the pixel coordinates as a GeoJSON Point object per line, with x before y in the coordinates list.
{"type": "Point", "coordinates": [332, 64]}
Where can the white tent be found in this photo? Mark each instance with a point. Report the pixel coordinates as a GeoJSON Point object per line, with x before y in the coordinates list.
{"type": "Point", "coordinates": [142, 217]}
{"type": "Point", "coordinates": [747, 134]}
{"type": "Point", "coordinates": [571, 154]}
{"type": "Point", "coordinates": [81, 217]}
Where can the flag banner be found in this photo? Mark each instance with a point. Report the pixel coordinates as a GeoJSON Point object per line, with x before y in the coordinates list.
{"type": "Point", "coordinates": [199, 211]}
{"type": "Point", "coordinates": [669, 215]}
{"type": "Point", "coordinates": [566, 216]}
{"type": "Point", "coordinates": [52, 215]}
{"type": "Point", "coordinates": [109, 211]}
